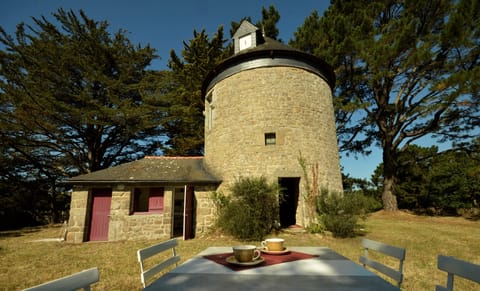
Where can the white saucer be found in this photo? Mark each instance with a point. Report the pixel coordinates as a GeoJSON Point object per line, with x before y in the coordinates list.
{"type": "Point", "coordinates": [285, 251]}
{"type": "Point", "coordinates": [234, 261]}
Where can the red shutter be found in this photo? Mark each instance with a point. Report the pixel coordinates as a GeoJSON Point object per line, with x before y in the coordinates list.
{"type": "Point", "coordinates": [155, 200]}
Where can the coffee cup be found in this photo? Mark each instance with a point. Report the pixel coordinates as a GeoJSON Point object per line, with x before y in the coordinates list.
{"type": "Point", "coordinates": [246, 253]}
{"type": "Point", "coordinates": [273, 244]}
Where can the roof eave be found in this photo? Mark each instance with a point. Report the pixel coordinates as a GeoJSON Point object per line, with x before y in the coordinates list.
{"type": "Point", "coordinates": [137, 182]}
{"type": "Point", "coordinates": [271, 53]}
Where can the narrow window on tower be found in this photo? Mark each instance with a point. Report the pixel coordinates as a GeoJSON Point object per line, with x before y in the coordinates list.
{"type": "Point", "coordinates": [270, 138]}
{"type": "Point", "coordinates": [210, 117]}
{"type": "Point", "coordinates": [209, 114]}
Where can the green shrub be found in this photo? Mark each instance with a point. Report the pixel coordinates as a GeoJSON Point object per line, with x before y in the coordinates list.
{"type": "Point", "coordinates": [339, 213]}
{"type": "Point", "coordinates": [315, 228]}
{"type": "Point", "coordinates": [250, 212]}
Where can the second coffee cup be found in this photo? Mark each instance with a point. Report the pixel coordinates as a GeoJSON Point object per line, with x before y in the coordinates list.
{"type": "Point", "coordinates": [273, 244]}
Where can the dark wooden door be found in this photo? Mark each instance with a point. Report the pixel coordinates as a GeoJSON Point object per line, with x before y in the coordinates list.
{"type": "Point", "coordinates": [188, 232]}
{"type": "Point", "coordinates": [289, 200]}
{"type": "Point", "coordinates": [178, 211]}
{"type": "Point", "coordinates": [100, 216]}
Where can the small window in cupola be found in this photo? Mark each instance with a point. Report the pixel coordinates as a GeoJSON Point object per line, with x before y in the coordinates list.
{"type": "Point", "coordinates": [245, 41]}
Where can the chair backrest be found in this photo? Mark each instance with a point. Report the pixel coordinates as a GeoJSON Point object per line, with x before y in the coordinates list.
{"type": "Point", "coordinates": [392, 251]}
{"type": "Point", "coordinates": [76, 281]}
{"type": "Point", "coordinates": [151, 251]}
{"type": "Point", "coordinates": [454, 266]}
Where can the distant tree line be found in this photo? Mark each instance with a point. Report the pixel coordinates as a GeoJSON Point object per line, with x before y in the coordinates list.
{"type": "Point", "coordinates": [429, 181]}
{"type": "Point", "coordinates": [439, 182]}
{"type": "Point", "coordinates": [76, 98]}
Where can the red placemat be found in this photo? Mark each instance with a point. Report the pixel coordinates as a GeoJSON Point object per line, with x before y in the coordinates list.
{"type": "Point", "coordinates": [268, 259]}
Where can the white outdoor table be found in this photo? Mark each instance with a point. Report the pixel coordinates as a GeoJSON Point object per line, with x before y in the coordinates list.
{"type": "Point", "coordinates": [328, 271]}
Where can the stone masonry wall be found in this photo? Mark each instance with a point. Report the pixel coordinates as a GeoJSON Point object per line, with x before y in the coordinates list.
{"type": "Point", "coordinates": [205, 209]}
{"type": "Point", "coordinates": [78, 212]}
{"type": "Point", "coordinates": [124, 226]}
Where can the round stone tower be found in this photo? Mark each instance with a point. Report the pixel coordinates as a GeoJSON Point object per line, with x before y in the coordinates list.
{"type": "Point", "coordinates": [265, 108]}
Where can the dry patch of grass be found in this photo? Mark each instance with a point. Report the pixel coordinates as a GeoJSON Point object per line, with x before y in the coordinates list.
{"type": "Point", "coordinates": [26, 262]}
{"type": "Point", "coordinates": [424, 238]}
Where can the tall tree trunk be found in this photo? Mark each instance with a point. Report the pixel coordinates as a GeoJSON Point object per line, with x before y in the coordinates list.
{"type": "Point", "coordinates": [388, 197]}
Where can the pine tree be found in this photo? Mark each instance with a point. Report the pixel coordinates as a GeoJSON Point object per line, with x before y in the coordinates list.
{"type": "Point", "coordinates": [405, 70]}
{"type": "Point", "coordinates": [74, 99]}
{"type": "Point", "coordinates": [183, 101]}
{"type": "Point", "coordinates": [76, 94]}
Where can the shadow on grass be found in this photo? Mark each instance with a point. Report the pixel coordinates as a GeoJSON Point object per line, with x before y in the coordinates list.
{"type": "Point", "coordinates": [473, 218]}
{"type": "Point", "coordinates": [472, 214]}
{"type": "Point", "coordinates": [19, 232]}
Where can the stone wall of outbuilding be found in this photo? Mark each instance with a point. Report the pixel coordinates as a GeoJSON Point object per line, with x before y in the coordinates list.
{"type": "Point", "coordinates": [126, 226]}
{"type": "Point", "coordinates": [77, 224]}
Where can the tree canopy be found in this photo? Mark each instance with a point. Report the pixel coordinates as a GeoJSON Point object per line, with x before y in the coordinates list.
{"type": "Point", "coordinates": [74, 99]}
{"type": "Point", "coordinates": [405, 70]}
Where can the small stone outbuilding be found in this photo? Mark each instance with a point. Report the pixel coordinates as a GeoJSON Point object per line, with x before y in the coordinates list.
{"type": "Point", "coordinates": [266, 107]}
{"type": "Point", "coordinates": [150, 198]}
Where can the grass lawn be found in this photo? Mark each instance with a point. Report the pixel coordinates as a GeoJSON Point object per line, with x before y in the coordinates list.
{"type": "Point", "coordinates": [26, 262]}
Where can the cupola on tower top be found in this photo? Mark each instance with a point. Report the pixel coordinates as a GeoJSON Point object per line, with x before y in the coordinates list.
{"type": "Point", "coordinates": [247, 36]}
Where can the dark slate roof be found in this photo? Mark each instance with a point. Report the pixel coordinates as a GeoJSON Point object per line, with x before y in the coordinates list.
{"type": "Point", "coordinates": [270, 44]}
{"type": "Point", "coordinates": [151, 170]}
{"type": "Point", "coordinates": [245, 28]}
{"type": "Point", "coordinates": [272, 49]}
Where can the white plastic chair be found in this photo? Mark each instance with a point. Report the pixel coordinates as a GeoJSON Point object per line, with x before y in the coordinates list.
{"type": "Point", "coordinates": [392, 251]}
{"type": "Point", "coordinates": [454, 266]}
{"type": "Point", "coordinates": [83, 279]}
{"type": "Point", "coordinates": [151, 251]}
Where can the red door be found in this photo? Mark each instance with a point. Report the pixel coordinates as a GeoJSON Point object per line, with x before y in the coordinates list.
{"type": "Point", "coordinates": [102, 198]}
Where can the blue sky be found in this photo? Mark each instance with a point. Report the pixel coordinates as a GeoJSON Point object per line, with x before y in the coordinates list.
{"type": "Point", "coordinates": [166, 24]}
